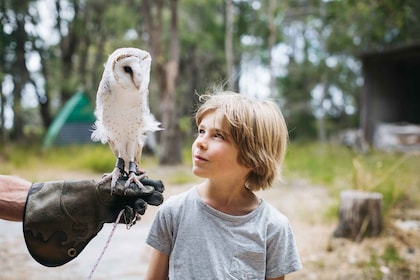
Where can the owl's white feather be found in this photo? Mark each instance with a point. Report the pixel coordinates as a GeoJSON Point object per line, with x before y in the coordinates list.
{"type": "Point", "coordinates": [122, 111]}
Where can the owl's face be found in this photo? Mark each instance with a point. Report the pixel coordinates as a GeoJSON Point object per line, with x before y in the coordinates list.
{"type": "Point", "coordinates": [131, 68]}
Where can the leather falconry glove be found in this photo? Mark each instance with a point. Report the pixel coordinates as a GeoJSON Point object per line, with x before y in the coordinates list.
{"type": "Point", "coordinates": [61, 217]}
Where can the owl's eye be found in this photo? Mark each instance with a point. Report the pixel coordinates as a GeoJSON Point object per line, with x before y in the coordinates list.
{"type": "Point", "coordinates": [127, 69]}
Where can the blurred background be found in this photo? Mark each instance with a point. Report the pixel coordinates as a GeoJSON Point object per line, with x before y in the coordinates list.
{"type": "Point", "coordinates": [332, 66]}
{"type": "Point", "coordinates": [346, 75]}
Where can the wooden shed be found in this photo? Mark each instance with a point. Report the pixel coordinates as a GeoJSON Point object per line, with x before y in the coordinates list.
{"type": "Point", "coordinates": [391, 92]}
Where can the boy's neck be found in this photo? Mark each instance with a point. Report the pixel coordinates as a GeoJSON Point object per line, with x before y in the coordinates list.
{"type": "Point", "coordinates": [232, 200]}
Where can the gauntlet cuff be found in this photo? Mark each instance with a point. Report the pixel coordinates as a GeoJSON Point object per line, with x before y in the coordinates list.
{"type": "Point", "coordinates": [60, 220]}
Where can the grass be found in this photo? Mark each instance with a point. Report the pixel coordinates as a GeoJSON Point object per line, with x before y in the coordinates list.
{"type": "Point", "coordinates": [322, 164]}
{"type": "Point", "coordinates": [92, 158]}
{"type": "Point", "coordinates": [335, 167]}
{"type": "Point", "coordinates": [393, 175]}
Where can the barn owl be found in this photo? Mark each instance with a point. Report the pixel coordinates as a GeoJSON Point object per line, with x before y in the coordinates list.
{"type": "Point", "coordinates": [122, 112]}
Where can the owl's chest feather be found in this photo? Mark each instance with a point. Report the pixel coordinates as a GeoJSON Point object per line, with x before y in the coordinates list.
{"type": "Point", "coordinates": [124, 114]}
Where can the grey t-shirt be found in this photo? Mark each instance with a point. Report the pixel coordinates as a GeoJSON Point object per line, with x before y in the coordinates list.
{"type": "Point", "coordinates": [204, 243]}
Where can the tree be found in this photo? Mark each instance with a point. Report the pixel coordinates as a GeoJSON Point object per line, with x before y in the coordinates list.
{"type": "Point", "coordinates": [16, 15]}
{"type": "Point", "coordinates": [4, 42]}
{"type": "Point", "coordinates": [167, 67]}
{"type": "Point", "coordinates": [229, 44]}
{"type": "Point", "coordinates": [199, 46]}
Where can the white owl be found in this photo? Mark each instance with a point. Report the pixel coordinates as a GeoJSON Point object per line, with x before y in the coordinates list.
{"type": "Point", "coordinates": [122, 111]}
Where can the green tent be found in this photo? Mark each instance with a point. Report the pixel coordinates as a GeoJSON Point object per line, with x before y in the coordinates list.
{"type": "Point", "coordinates": [73, 123]}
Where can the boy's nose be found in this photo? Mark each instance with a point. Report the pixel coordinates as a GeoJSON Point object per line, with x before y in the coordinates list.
{"type": "Point", "coordinates": [201, 144]}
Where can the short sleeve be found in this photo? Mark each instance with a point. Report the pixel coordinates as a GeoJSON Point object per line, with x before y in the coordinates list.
{"type": "Point", "coordinates": [282, 252]}
{"type": "Point", "coordinates": [161, 232]}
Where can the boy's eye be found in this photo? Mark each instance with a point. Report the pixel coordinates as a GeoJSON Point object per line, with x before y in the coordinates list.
{"type": "Point", "coordinates": [219, 135]}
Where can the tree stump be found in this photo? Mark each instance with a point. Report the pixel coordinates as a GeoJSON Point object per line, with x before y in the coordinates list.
{"type": "Point", "coordinates": [360, 215]}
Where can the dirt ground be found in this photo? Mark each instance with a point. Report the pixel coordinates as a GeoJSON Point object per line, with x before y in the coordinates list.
{"type": "Point", "coordinates": [323, 257]}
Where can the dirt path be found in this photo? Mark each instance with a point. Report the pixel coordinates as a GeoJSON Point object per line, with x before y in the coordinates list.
{"type": "Point", "coordinates": [127, 254]}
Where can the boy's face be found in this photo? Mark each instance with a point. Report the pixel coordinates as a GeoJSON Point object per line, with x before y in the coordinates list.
{"type": "Point", "coordinates": [214, 154]}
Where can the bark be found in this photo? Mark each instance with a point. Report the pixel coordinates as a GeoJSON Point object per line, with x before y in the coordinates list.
{"type": "Point", "coordinates": [44, 101]}
{"type": "Point", "coordinates": [229, 45]}
{"type": "Point", "coordinates": [171, 146]}
{"type": "Point", "coordinates": [2, 128]}
{"type": "Point", "coordinates": [272, 34]}
{"type": "Point", "coordinates": [68, 47]}
{"type": "Point", "coordinates": [3, 134]}
{"type": "Point", "coordinates": [360, 215]}
{"type": "Point", "coordinates": [20, 78]}
{"type": "Point", "coordinates": [166, 74]}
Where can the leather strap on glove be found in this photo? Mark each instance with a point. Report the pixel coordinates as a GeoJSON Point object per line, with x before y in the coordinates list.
{"type": "Point", "coordinates": [61, 217]}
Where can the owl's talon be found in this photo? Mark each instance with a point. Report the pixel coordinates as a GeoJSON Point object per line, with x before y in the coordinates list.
{"type": "Point", "coordinates": [133, 178]}
{"type": "Point", "coordinates": [113, 177]}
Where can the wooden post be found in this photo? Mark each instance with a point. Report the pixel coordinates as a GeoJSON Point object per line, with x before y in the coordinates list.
{"type": "Point", "coordinates": [360, 215]}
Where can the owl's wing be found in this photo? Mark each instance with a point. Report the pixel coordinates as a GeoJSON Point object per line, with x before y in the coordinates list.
{"type": "Point", "coordinates": [99, 131]}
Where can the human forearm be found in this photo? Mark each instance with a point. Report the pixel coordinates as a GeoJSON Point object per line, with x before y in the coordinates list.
{"type": "Point", "coordinates": [158, 266]}
{"type": "Point", "coordinates": [13, 193]}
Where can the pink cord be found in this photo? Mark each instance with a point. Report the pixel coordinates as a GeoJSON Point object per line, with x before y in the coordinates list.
{"type": "Point", "coordinates": [114, 226]}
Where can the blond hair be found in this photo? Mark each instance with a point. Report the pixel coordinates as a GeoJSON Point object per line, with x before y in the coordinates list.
{"type": "Point", "coordinates": [258, 130]}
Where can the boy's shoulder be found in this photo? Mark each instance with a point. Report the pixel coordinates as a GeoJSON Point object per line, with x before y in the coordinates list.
{"type": "Point", "coordinates": [180, 199]}
{"type": "Point", "coordinates": [273, 216]}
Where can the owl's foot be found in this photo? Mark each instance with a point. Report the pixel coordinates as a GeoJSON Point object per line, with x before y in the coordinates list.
{"type": "Point", "coordinates": [114, 175]}
{"type": "Point", "coordinates": [135, 176]}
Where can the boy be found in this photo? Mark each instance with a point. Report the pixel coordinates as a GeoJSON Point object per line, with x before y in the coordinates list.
{"type": "Point", "coordinates": [220, 229]}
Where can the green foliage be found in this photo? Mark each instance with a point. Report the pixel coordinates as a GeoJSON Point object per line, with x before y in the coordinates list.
{"type": "Point", "coordinates": [321, 163]}
{"type": "Point", "coordinates": [174, 175]}
{"type": "Point", "coordinates": [96, 158]}
{"type": "Point", "coordinates": [337, 168]}
{"type": "Point", "coordinates": [371, 270]}
{"type": "Point", "coordinates": [392, 175]}
{"type": "Point", "coordinates": [91, 158]}
{"type": "Point", "coordinates": [391, 255]}
{"type": "Point", "coordinates": [389, 259]}
{"type": "Point", "coordinates": [357, 25]}
{"type": "Point", "coordinates": [13, 156]}
{"type": "Point", "coordinates": [395, 176]}
{"type": "Point", "coordinates": [320, 39]}
{"type": "Point", "coordinates": [301, 125]}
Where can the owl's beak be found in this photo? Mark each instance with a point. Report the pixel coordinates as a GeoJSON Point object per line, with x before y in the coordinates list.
{"type": "Point", "coordinates": [137, 81]}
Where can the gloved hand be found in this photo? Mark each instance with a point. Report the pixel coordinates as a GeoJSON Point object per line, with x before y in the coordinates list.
{"type": "Point", "coordinates": [61, 217]}
{"type": "Point", "coordinates": [132, 199]}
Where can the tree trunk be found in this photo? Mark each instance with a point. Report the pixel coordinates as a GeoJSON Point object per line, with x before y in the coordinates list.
{"type": "Point", "coordinates": [166, 74]}
{"type": "Point", "coordinates": [2, 116]}
{"type": "Point", "coordinates": [20, 78]}
{"type": "Point", "coordinates": [3, 132]}
{"type": "Point", "coordinates": [272, 34]}
{"type": "Point", "coordinates": [229, 45]}
{"type": "Point", "coordinates": [171, 144]}
{"type": "Point", "coordinates": [322, 133]}
{"type": "Point", "coordinates": [44, 100]}
{"type": "Point", "coordinates": [360, 215]}
{"type": "Point", "coordinates": [68, 47]}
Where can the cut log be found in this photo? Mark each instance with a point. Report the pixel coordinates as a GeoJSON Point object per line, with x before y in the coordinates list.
{"type": "Point", "coordinates": [360, 215]}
